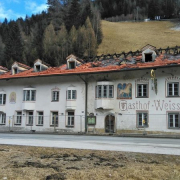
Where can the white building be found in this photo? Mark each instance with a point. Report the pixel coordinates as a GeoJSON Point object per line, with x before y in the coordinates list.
{"type": "Point", "coordinates": [112, 95]}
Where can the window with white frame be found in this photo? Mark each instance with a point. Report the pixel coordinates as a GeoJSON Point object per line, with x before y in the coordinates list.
{"type": "Point", "coordinates": [54, 118]}
{"type": "Point", "coordinates": [104, 91]}
{"type": "Point", "coordinates": [30, 118]}
{"type": "Point", "coordinates": [142, 90]}
{"type": "Point", "coordinates": [142, 119]}
{"type": "Point", "coordinates": [173, 120]}
{"type": "Point", "coordinates": [173, 89]}
{"type": "Point", "coordinates": [71, 94]}
{"type": "Point", "coordinates": [55, 95]}
{"type": "Point", "coordinates": [18, 117]}
{"type": "Point", "coordinates": [40, 118]}
{"type": "Point", "coordinates": [29, 95]}
{"type": "Point", "coordinates": [2, 99]}
{"type": "Point", "coordinates": [2, 118]}
{"type": "Point", "coordinates": [70, 118]}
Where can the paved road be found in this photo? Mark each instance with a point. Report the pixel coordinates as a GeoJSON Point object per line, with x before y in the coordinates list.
{"type": "Point", "coordinates": [144, 145]}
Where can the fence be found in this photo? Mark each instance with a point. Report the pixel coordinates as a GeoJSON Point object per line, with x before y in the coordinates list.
{"type": "Point", "coordinates": [75, 123]}
{"type": "Point", "coordinates": [104, 123]}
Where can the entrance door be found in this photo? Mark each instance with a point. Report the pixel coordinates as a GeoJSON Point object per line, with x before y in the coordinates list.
{"type": "Point", "coordinates": [109, 124]}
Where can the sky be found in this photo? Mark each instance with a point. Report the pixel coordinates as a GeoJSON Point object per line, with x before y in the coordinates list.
{"type": "Point", "coordinates": [13, 9]}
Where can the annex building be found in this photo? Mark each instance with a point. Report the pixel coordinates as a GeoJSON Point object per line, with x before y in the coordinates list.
{"type": "Point", "coordinates": [128, 92]}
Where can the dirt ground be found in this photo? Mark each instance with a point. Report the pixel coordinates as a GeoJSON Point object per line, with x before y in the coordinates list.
{"type": "Point", "coordinates": [37, 163]}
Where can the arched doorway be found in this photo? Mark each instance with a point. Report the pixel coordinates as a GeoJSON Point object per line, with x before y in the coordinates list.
{"type": "Point", "coordinates": [109, 123]}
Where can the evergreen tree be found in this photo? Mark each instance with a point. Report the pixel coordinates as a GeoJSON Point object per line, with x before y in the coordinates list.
{"type": "Point", "coordinates": [81, 41]}
{"type": "Point", "coordinates": [1, 51]}
{"type": "Point", "coordinates": [62, 42]}
{"type": "Point", "coordinates": [73, 17]}
{"type": "Point", "coordinates": [91, 39]}
{"type": "Point", "coordinates": [73, 41]}
{"type": "Point", "coordinates": [49, 43]}
{"type": "Point", "coordinates": [13, 45]}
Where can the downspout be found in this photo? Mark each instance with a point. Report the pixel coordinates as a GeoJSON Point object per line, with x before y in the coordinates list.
{"type": "Point", "coordinates": [86, 96]}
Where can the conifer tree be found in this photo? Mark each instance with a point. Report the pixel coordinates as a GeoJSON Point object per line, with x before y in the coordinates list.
{"type": "Point", "coordinates": [62, 42]}
{"type": "Point", "coordinates": [73, 17]}
{"type": "Point", "coordinates": [49, 43]}
{"type": "Point", "coordinates": [81, 41]}
{"type": "Point", "coordinates": [1, 50]}
{"type": "Point", "coordinates": [91, 39]}
{"type": "Point", "coordinates": [73, 40]}
{"type": "Point", "coordinates": [13, 45]}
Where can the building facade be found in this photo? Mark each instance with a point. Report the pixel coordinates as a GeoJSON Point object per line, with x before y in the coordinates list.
{"type": "Point", "coordinates": [112, 95]}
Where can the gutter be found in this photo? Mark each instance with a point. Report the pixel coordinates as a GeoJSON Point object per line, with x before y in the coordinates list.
{"type": "Point", "coordinates": [99, 72]}
{"type": "Point", "coordinates": [86, 96]}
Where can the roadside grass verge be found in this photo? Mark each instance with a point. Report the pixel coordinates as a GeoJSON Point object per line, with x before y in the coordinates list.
{"type": "Point", "coordinates": [38, 163]}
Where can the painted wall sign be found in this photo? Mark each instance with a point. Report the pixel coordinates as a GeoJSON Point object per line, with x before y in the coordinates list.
{"type": "Point", "coordinates": [157, 105]}
{"type": "Point", "coordinates": [124, 91]}
{"type": "Point", "coordinates": [12, 98]}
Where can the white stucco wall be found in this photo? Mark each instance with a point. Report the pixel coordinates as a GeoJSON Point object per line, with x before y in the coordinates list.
{"type": "Point", "coordinates": [43, 87]}
{"type": "Point", "coordinates": [157, 105]}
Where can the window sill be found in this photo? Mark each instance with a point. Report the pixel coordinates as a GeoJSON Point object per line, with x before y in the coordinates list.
{"type": "Point", "coordinates": [2, 124]}
{"type": "Point", "coordinates": [142, 97]}
{"type": "Point", "coordinates": [55, 101]}
{"type": "Point", "coordinates": [172, 96]}
{"type": "Point", "coordinates": [29, 124]}
{"type": "Point", "coordinates": [39, 125]}
{"type": "Point", "coordinates": [69, 126]}
{"type": "Point", "coordinates": [142, 127]}
{"type": "Point", "coordinates": [104, 98]}
{"type": "Point", "coordinates": [29, 101]}
{"type": "Point", "coordinates": [17, 124]}
{"type": "Point", "coordinates": [177, 128]}
{"type": "Point", "coordinates": [53, 125]}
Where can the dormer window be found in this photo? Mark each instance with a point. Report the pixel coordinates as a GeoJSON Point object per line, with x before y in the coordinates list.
{"type": "Point", "coordinates": [72, 62]}
{"type": "Point", "coordinates": [148, 57]}
{"type": "Point", "coordinates": [38, 68]}
{"type": "Point", "coordinates": [3, 70]}
{"type": "Point", "coordinates": [40, 65]}
{"type": "Point", "coordinates": [72, 65]}
{"type": "Point", "coordinates": [19, 67]}
{"type": "Point", "coordinates": [148, 53]}
{"type": "Point", "coordinates": [15, 70]}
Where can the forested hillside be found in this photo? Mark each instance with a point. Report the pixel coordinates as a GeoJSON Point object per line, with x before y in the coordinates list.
{"type": "Point", "coordinates": [71, 26]}
{"type": "Point", "coordinates": [139, 9]}
{"type": "Point", "coordinates": [67, 27]}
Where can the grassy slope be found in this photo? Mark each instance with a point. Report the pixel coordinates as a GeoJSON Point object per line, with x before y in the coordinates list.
{"type": "Point", "coordinates": [130, 36]}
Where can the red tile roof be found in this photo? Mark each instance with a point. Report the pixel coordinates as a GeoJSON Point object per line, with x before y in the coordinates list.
{"type": "Point", "coordinates": [22, 65]}
{"type": "Point", "coordinates": [109, 65]}
{"type": "Point", "coordinates": [3, 68]}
